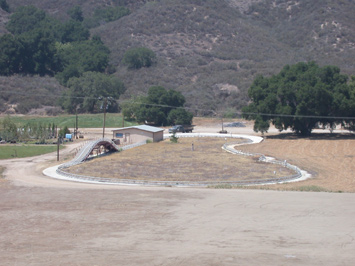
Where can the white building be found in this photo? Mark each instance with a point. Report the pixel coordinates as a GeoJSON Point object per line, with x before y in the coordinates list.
{"type": "Point", "coordinates": [135, 134]}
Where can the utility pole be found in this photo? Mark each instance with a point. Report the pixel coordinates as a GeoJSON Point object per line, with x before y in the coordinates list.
{"type": "Point", "coordinates": [103, 128]}
{"type": "Point", "coordinates": [76, 123]}
{"type": "Point", "coordinates": [58, 148]}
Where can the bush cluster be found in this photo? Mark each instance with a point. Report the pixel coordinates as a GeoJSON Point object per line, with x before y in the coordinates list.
{"type": "Point", "coordinates": [159, 107]}
{"type": "Point", "coordinates": [139, 57]}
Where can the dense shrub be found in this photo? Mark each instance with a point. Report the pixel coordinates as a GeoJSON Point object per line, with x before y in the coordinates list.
{"type": "Point", "coordinates": [25, 106]}
{"type": "Point", "coordinates": [139, 57]}
{"type": "Point", "coordinates": [104, 15]}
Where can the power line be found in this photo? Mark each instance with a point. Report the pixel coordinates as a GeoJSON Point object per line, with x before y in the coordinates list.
{"type": "Point", "coordinates": [302, 116]}
{"type": "Point", "coordinates": [190, 108]}
{"type": "Point", "coordinates": [45, 95]}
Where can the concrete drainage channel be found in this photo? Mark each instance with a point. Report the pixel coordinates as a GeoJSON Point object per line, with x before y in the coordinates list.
{"type": "Point", "coordinates": [59, 172]}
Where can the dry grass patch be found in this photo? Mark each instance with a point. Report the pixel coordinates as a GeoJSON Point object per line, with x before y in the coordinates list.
{"type": "Point", "coordinates": [166, 161]}
{"type": "Point", "coordinates": [330, 158]}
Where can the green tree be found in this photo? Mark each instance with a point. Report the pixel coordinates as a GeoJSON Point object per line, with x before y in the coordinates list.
{"type": "Point", "coordinates": [24, 19]}
{"type": "Point", "coordinates": [68, 72]}
{"type": "Point", "coordinates": [136, 58]}
{"type": "Point", "coordinates": [9, 132]}
{"type": "Point", "coordinates": [180, 117]}
{"type": "Point", "coordinates": [160, 107]}
{"type": "Point", "coordinates": [151, 114]}
{"type": "Point", "coordinates": [85, 92]}
{"type": "Point", "coordinates": [77, 58]}
{"type": "Point", "coordinates": [38, 52]}
{"type": "Point", "coordinates": [33, 49]}
{"type": "Point", "coordinates": [129, 107]}
{"type": "Point", "coordinates": [344, 103]}
{"type": "Point", "coordinates": [300, 97]}
{"type": "Point", "coordinates": [63, 131]}
{"type": "Point", "coordinates": [73, 31]}
{"type": "Point", "coordinates": [11, 55]}
{"type": "Point", "coordinates": [76, 13]}
{"type": "Point", "coordinates": [4, 6]}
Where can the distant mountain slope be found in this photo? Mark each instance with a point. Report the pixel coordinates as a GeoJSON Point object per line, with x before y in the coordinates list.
{"type": "Point", "coordinates": [321, 30]}
{"type": "Point", "coordinates": [208, 51]}
{"type": "Point", "coordinates": [4, 17]}
{"type": "Point", "coordinates": [211, 50]}
{"type": "Point", "coordinates": [59, 8]}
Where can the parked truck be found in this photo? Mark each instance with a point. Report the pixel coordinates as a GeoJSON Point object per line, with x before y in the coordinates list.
{"type": "Point", "coordinates": [181, 129]}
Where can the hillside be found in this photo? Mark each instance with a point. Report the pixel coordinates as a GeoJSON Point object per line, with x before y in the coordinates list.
{"type": "Point", "coordinates": [212, 50]}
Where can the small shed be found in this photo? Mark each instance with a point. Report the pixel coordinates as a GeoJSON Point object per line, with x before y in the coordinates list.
{"type": "Point", "coordinates": [135, 134]}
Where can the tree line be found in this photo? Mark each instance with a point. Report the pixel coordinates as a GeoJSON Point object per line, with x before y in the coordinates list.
{"type": "Point", "coordinates": [302, 97]}
{"type": "Point", "coordinates": [40, 44]}
{"type": "Point", "coordinates": [30, 131]}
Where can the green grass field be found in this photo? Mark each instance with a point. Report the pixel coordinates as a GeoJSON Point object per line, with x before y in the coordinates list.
{"type": "Point", "coordinates": [84, 120]}
{"type": "Point", "coordinates": [17, 151]}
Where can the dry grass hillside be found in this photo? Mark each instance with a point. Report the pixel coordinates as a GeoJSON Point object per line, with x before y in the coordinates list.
{"type": "Point", "coordinates": [29, 93]}
{"type": "Point", "coordinates": [212, 50]}
{"type": "Point", "coordinates": [330, 158]}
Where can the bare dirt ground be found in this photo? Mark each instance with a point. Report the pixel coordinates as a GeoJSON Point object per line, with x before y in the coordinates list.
{"type": "Point", "coordinates": [52, 222]}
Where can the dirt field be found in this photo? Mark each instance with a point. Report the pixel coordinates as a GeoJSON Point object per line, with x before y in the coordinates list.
{"type": "Point", "coordinates": [52, 222]}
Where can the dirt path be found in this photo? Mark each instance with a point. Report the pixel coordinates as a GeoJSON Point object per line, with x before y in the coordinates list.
{"type": "Point", "coordinates": [52, 222]}
{"type": "Point", "coordinates": [28, 171]}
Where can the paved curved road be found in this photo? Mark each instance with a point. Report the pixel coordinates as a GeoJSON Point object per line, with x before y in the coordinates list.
{"type": "Point", "coordinates": [53, 222]}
